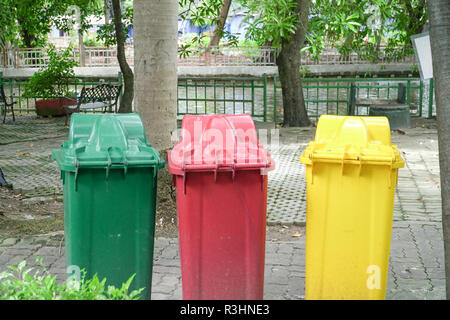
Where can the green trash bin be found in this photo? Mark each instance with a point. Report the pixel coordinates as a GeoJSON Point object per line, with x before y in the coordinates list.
{"type": "Point", "coordinates": [109, 174]}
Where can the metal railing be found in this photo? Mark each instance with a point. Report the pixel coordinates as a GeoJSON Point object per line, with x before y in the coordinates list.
{"type": "Point", "coordinates": [104, 57]}
{"type": "Point", "coordinates": [322, 96]}
{"type": "Point", "coordinates": [332, 56]}
{"type": "Point", "coordinates": [37, 57]}
{"type": "Point", "coordinates": [333, 95]}
{"type": "Point", "coordinates": [15, 88]}
{"type": "Point", "coordinates": [230, 56]}
{"type": "Point", "coordinates": [225, 96]}
{"type": "Point", "coordinates": [24, 58]}
{"type": "Point", "coordinates": [217, 56]}
{"type": "Point", "coordinates": [262, 97]}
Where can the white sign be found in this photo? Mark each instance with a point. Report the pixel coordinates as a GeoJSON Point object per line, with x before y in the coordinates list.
{"type": "Point", "coordinates": [422, 48]}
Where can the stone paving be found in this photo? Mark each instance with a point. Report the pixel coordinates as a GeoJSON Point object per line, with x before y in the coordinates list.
{"type": "Point", "coordinates": [286, 190]}
{"type": "Point", "coordinates": [416, 268]}
{"type": "Point", "coordinates": [25, 150]}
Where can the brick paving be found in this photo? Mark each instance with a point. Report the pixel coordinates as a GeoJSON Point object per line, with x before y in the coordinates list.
{"type": "Point", "coordinates": [416, 268]}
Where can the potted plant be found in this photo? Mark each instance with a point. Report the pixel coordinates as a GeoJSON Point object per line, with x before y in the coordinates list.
{"type": "Point", "coordinates": [50, 84]}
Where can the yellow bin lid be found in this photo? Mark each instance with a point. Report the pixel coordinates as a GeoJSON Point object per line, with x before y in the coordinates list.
{"type": "Point", "coordinates": [353, 140]}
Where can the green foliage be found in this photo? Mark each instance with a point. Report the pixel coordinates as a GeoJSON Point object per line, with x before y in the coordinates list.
{"type": "Point", "coordinates": [414, 68]}
{"type": "Point", "coordinates": [247, 43]}
{"type": "Point", "coordinates": [195, 40]}
{"type": "Point", "coordinates": [52, 81]}
{"type": "Point", "coordinates": [21, 283]}
{"type": "Point", "coordinates": [107, 34]}
{"type": "Point", "coordinates": [6, 22]}
{"type": "Point", "coordinates": [364, 26]}
{"type": "Point", "coordinates": [27, 22]}
{"type": "Point", "coordinates": [360, 26]}
{"type": "Point", "coordinates": [202, 13]}
{"type": "Point", "coordinates": [91, 40]}
{"type": "Point", "coordinates": [77, 13]}
{"type": "Point", "coordinates": [270, 20]}
{"type": "Point", "coordinates": [304, 71]}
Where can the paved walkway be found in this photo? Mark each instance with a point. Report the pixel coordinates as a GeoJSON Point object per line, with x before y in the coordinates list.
{"type": "Point", "coordinates": [25, 150]}
{"type": "Point", "coordinates": [416, 266]}
{"type": "Point", "coordinates": [416, 263]}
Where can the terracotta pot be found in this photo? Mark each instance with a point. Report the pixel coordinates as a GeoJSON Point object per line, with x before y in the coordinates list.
{"type": "Point", "coordinates": [53, 107]}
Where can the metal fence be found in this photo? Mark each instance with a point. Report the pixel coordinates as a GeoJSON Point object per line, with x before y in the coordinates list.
{"type": "Point", "coordinates": [202, 56]}
{"type": "Point", "coordinates": [322, 96]}
{"type": "Point", "coordinates": [333, 95]}
{"type": "Point", "coordinates": [262, 97]}
{"type": "Point", "coordinates": [107, 57]}
{"type": "Point", "coordinates": [332, 56]}
{"type": "Point", "coordinates": [230, 56]}
{"type": "Point", "coordinates": [24, 58]}
{"type": "Point", "coordinates": [15, 88]}
{"type": "Point", "coordinates": [103, 57]}
{"type": "Point", "coordinates": [226, 96]}
{"type": "Point", "coordinates": [38, 57]}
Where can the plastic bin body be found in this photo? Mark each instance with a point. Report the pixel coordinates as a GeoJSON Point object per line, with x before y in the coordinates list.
{"type": "Point", "coordinates": [109, 182]}
{"type": "Point", "coordinates": [351, 173]}
{"type": "Point", "coordinates": [222, 218]}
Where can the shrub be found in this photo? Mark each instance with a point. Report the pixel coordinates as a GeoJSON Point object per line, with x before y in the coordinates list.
{"type": "Point", "coordinates": [52, 81]}
{"type": "Point", "coordinates": [21, 283]}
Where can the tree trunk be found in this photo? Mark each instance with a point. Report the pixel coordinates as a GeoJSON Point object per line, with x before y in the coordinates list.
{"type": "Point", "coordinates": [288, 62]}
{"type": "Point", "coordinates": [28, 38]}
{"type": "Point", "coordinates": [155, 55]}
{"type": "Point", "coordinates": [218, 29]}
{"type": "Point", "coordinates": [380, 34]}
{"type": "Point", "coordinates": [417, 16]}
{"type": "Point", "coordinates": [126, 104]}
{"type": "Point", "coordinates": [107, 10]}
{"type": "Point", "coordinates": [439, 16]}
{"type": "Point", "coordinates": [82, 49]}
{"type": "Point", "coordinates": [348, 45]}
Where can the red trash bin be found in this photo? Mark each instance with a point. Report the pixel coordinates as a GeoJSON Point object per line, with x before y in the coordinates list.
{"type": "Point", "coordinates": [219, 169]}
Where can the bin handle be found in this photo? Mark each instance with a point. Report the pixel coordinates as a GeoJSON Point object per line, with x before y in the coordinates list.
{"type": "Point", "coordinates": [76, 175]}
{"type": "Point", "coordinates": [346, 147]}
{"type": "Point", "coordinates": [123, 160]}
{"type": "Point", "coordinates": [77, 164]}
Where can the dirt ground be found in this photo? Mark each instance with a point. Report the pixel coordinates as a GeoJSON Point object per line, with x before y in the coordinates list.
{"type": "Point", "coordinates": [18, 218]}
{"type": "Point", "coordinates": [424, 123]}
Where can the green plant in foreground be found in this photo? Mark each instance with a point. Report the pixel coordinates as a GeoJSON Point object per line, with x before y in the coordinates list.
{"type": "Point", "coordinates": [52, 81]}
{"type": "Point", "coordinates": [21, 283]}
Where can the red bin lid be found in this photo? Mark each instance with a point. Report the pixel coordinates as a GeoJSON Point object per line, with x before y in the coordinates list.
{"type": "Point", "coordinates": [218, 143]}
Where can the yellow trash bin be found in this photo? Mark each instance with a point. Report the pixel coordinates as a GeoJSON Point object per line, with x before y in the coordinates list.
{"type": "Point", "coordinates": [351, 174]}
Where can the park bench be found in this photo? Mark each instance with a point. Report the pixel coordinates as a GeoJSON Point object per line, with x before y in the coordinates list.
{"type": "Point", "coordinates": [103, 96]}
{"type": "Point", "coordinates": [5, 104]}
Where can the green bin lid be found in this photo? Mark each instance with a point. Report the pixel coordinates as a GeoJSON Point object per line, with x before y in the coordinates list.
{"type": "Point", "coordinates": [106, 141]}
